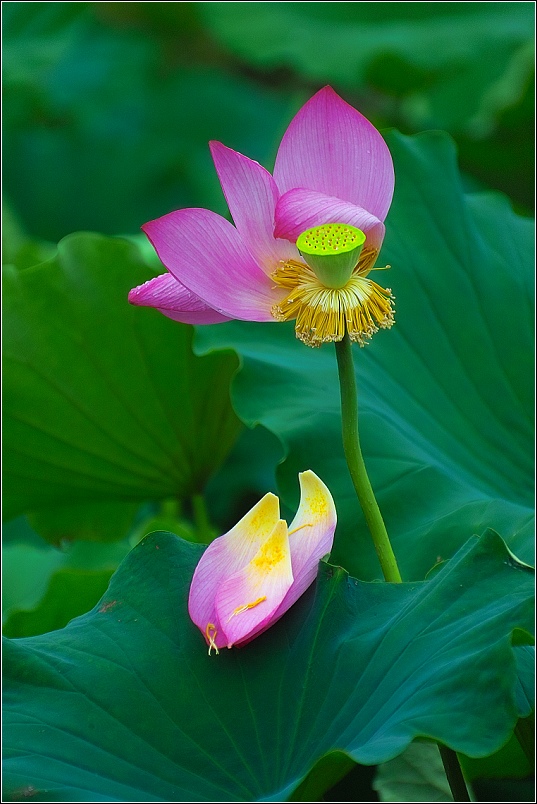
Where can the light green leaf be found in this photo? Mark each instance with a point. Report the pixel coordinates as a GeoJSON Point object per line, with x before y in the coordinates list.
{"type": "Point", "coordinates": [445, 396]}
{"type": "Point", "coordinates": [103, 402]}
{"type": "Point", "coordinates": [362, 668]}
{"type": "Point", "coordinates": [44, 588]}
{"type": "Point", "coordinates": [416, 775]}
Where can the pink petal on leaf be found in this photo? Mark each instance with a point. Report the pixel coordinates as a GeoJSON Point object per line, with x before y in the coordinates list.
{"type": "Point", "coordinates": [311, 535]}
{"type": "Point", "coordinates": [333, 149]}
{"type": "Point", "coordinates": [251, 195]}
{"type": "Point", "coordinates": [298, 210]}
{"type": "Point", "coordinates": [174, 300]}
{"type": "Point", "coordinates": [247, 599]}
{"type": "Point", "coordinates": [225, 556]}
{"type": "Point", "coordinates": [207, 255]}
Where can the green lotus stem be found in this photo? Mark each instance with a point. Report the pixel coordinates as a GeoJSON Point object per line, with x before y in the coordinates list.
{"type": "Point", "coordinates": [355, 461]}
{"type": "Point", "coordinates": [201, 517]}
{"type": "Point", "coordinates": [454, 775]}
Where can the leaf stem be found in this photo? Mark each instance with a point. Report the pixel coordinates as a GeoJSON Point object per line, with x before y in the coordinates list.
{"type": "Point", "coordinates": [201, 517]}
{"type": "Point", "coordinates": [525, 734]}
{"type": "Point", "coordinates": [454, 775]}
{"type": "Point", "coordinates": [355, 461]}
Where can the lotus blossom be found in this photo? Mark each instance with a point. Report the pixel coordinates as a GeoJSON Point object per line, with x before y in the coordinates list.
{"type": "Point", "coordinates": [249, 577]}
{"type": "Point", "coordinates": [332, 167]}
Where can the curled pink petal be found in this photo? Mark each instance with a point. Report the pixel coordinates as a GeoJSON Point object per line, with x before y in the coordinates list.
{"type": "Point", "coordinates": [311, 535]}
{"type": "Point", "coordinates": [251, 195]}
{"type": "Point", "coordinates": [247, 599]}
{"type": "Point", "coordinates": [206, 254]}
{"type": "Point", "coordinates": [249, 577]}
{"type": "Point", "coordinates": [333, 149]}
{"type": "Point", "coordinates": [298, 210]}
{"type": "Point", "coordinates": [225, 556]}
{"type": "Point", "coordinates": [174, 300]}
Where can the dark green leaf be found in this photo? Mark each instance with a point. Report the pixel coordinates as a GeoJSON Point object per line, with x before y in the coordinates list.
{"type": "Point", "coordinates": [125, 704]}
{"type": "Point", "coordinates": [104, 402]}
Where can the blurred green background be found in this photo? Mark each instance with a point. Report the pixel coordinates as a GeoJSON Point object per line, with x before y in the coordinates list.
{"type": "Point", "coordinates": [108, 109]}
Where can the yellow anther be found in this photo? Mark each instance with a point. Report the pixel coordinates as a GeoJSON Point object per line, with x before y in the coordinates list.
{"type": "Point", "coordinates": [247, 606]}
{"type": "Point", "coordinates": [324, 314]}
{"type": "Point", "coordinates": [210, 633]}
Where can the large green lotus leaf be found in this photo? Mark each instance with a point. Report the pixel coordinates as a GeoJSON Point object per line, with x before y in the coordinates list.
{"type": "Point", "coordinates": [445, 396]}
{"type": "Point", "coordinates": [457, 65]}
{"type": "Point", "coordinates": [102, 401]}
{"type": "Point", "coordinates": [125, 704]}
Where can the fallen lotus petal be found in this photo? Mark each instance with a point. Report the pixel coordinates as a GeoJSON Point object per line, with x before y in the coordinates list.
{"type": "Point", "coordinates": [332, 168]}
{"type": "Point", "coordinates": [249, 577]}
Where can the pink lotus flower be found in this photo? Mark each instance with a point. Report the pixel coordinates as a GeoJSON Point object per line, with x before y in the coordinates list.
{"type": "Point", "coordinates": [332, 167]}
{"type": "Point", "coordinates": [249, 577]}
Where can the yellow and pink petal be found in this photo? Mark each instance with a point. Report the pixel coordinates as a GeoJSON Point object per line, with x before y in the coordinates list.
{"type": "Point", "coordinates": [248, 578]}
{"type": "Point", "coordinates": [311, 535]}
{"type": "Point", "coordinates": [224, 557]}
{"type": "Point", "coordinates": [247, 599]}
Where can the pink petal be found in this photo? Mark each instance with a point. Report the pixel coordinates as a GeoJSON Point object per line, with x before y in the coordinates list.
{"type": "Point", "coordinates": [174, 300]}
{"type": "Point", "coordinates": [251, 195]}
{"type": "Point", "coordinates": [330, 147]}
{"type": "Point", "coordinates": [247, 600]}
{"type": "Point", "coordinates": [206, 254]}
{"type": "Point", "coordinates": [298, 210]}
{"type": "Point", "coordinates": [311, 535]}
{"type": "Point", "coordinates": [223, 557]}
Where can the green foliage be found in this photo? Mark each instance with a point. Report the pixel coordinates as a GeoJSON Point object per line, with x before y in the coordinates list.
{"type": "Point", "coordinates": [103, 403]}
{"type": "Point", "coordinates": [57, 585]}
{"type": "Point", "coordinates": [452, 65]}
{"type": "Point", "coordinates": [416, 775]}
{"type": "Point", "coordinates": [112, 427]}
{"type": "Point", "coordinates": [104, 133]}
{"type": "Point", "coordinates": [445, 396]}
{"type": "Point", "coordinates": [362, 667]}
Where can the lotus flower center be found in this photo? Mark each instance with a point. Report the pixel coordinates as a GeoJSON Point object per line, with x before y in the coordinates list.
{"type": "Point", "coordinates": [329, 293]}
{"type": "Point", "coordinates": [332, 251]}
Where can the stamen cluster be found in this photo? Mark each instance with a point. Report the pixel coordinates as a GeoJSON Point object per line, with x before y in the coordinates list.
{"type": "Point", "coordinates": [324, 314]}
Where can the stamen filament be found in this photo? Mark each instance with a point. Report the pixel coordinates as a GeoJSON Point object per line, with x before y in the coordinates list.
{"type": "Point", "coordinates": [247, 606]}
{"type": "Point", "coordinates": [324, 314]}
{"type": "Point", "coordinates": [211, 637]}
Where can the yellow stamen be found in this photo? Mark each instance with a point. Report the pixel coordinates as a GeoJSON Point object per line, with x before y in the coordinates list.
{"type": "Point", "coordinates": [210, 636]}
{"type": "Point", "coordinates": [323, 314]}
{"type": "Point", "coordinates": [306, 525]}
{"type": "Point", "coordinates": [247, 606]}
